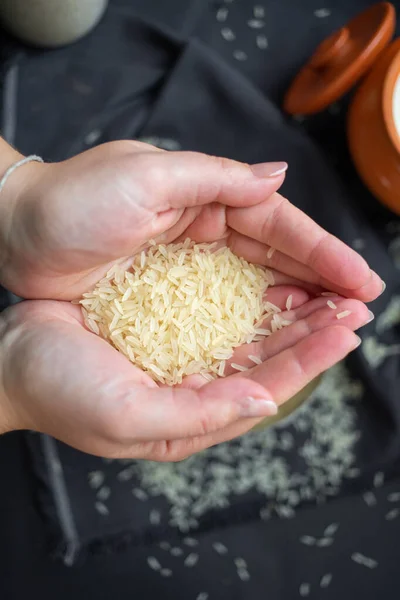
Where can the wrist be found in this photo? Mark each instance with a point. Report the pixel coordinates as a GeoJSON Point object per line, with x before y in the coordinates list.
{"type": "Point", "coordinates": [13, 209]}
{"type": "Point", "coordinates": [8, 157]}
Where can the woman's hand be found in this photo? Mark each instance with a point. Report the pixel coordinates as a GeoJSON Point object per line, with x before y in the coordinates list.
{"type": "Point", "coordinates": [58, 378]}
{"type": "Point", "coordinates": [67, 223]}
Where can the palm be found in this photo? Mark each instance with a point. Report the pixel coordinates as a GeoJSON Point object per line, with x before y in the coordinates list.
{"type": "Point", "coordinates": [90, 396]}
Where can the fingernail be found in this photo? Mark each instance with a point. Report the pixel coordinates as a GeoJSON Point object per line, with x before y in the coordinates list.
{"type": "Point", "coordinates": [252, 407]}
{"type": "Point", "coordinates": [269, 169]}
{"type": "Point", "coordinates": [357, 342]}
{"type": "Point", "coordinates": [383, 286]}
{"type": "Point", "coordinates": [371, 317]}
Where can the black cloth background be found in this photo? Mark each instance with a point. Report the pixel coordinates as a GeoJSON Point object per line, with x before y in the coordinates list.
{"type": "Point", "coordinates": [166, 74]}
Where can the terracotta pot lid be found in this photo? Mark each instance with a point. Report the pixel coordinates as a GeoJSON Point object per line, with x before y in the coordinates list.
{"type": "Point", "coordinates": [341, 60]}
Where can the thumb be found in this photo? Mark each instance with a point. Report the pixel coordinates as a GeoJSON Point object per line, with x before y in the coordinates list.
{"type": "Point", "coordinates": [176, 413]}
{"type": "Point", "coordinates": [174, 180]}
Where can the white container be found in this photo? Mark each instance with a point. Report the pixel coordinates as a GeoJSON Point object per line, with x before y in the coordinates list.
{"type": "Point", "coordinates": [51, 23]}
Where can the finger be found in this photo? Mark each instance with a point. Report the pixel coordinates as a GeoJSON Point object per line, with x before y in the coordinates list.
{"type": "Point", "coordinates": [210, 226]}
{"type": "Point", "coordinates": [304, 361]}
{"type": "Point", "coordinates": [174, 180]}
{"type": "Point", "coordinates": [276, 295]}
{"type": "Point", "coordinates": [301, 364]}
{"type": "Point", "coordinates": [307, 319]}
{"type": "Point", "coordinates": [174, 413]}
{"type": "Point", "coordinates": [281, 225]}
{"type": "Point", "coordinates": [278, 262]}
{"type": "Point", "coordinates": [281, 279]}
{"type": "Point", "coordinates": [279, 294]}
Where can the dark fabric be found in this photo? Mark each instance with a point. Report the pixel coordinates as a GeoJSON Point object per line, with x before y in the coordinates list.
{"type": "Point", "coordinates": [316, 498]}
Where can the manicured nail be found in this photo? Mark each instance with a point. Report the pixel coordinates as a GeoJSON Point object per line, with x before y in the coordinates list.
{"type": "Point", "coordinates": [371, 317]}
{"type": "Point", "coordinates": [269, 169]}
{"type": "Point", "coordinates": [357, 342]}
{"type": "Point", "coordinates": [255, 407]}
{"type": "Point", "coordinates": [375, 276]}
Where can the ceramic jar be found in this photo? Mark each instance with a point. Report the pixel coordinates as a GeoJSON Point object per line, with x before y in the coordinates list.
{"type": "Point", "coordinates": [51, 23]}
{"type": "Point", "coordinates": [374, 128]}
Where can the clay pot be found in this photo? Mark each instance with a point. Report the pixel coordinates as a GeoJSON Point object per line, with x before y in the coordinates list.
{"type": "Point", "coordinates": [51, 23]}
{"type": "Point", "coordinates": [360, 48]}
{"type": "Point", "coordinates": [374, 128]}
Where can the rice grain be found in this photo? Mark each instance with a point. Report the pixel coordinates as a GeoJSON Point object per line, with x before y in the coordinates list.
{"type": "Point", "coordinates": [255, 359]}
{"type": "Point", "coordinates": [182, 309]}
{"type": "Point", "coordinates": [343, 314]}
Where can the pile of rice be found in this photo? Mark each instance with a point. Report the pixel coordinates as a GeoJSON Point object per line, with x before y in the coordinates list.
{"type": "Point", "coordinates": [182, 309]}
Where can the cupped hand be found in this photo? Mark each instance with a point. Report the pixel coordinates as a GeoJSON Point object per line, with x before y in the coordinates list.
{"type": "Point", "coordinates": [58, 378]}
{"type": "Point", "coordinates": [71, 220]}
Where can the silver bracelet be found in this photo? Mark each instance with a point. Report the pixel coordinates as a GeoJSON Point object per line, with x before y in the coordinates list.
{"type": "Point", "coordinates": [15, 166]}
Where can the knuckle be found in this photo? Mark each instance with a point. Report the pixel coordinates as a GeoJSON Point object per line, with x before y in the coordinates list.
{"type": "Point", "coordinates": [271, 223]}
{"type": "Point", "coordinates": [116, 425]}
{"type": "Point", "coordinates": [315, 254]}
{"type": "Point", "coordinates": [113, 430]}
{"type": "Point", "coordinates": [300, 366]}
{"type": "Point", "coordinates": [305, 327]}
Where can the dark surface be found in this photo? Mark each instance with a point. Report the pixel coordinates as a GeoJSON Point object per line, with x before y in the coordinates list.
{"type": "Point", "coordinates": [180, 85]}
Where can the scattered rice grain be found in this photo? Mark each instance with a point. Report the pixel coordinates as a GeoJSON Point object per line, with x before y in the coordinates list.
{"type": "Point", "coordinates": [259, 11]}
{"type": "Point", "coordinates": [331, 529]}
{"type": "Point", "coordinates": [392, 514]}
{"type": "Point", "coordinates": [239, 367]}
{"type": "Point", "coordinates": [243, 574]}
{"type": "Point", "coordinates": [343, 314]}
{"type": "Point", "coordinates": [164, 545]}
{"type": "Point", "coordinates": [191, 542]}
{"type": "Point", "coordinates": [153, 563]}
{"type": "Point", "coordinates": [369, 499]}
{"type": "Point", "coordinates": [240, 563]}
{"type": "Point", "coordinates": [325, 542]}
{"type": "Point", "coordinates": [140, 494]}
{"type": "Point", "coordinates": [379, 479]}
{"type": "Point", "coordinates": [304, 590]}
{"type": "Point", "coordinates": [96, 479]}
{"type": "Point", "coordinates": [326, 580]}
{"type": "Point", "coordinates": [191, 559]}
{"type": "Point", "coordinates": [255, 359]}
{"type": "Point", "coordinates": [255, 23]}
{"type": "Point", "coordinates": [101, 508]}
{"type": "Point", "coordinates": [220, 548]}
{"type": "Point", "coordinates": [363, 560]}
{"type": "Point", "coordinates": [103, 493]}
{"type": "Point", "coordinates": [308, 540]}
{"type": "Point", "coordinates": [155, 517]}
